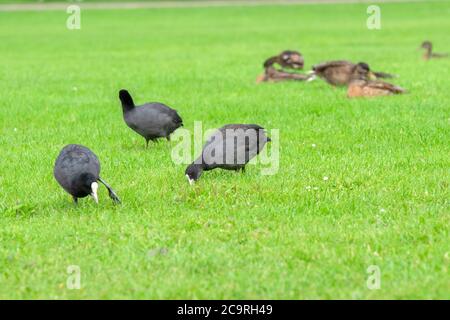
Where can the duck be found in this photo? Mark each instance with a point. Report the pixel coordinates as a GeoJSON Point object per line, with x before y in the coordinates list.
{"type": "Point", "coordinates": [230, 147]}
{"type": "Point", "coordinates": [289, 59]}
{"type": "Point", "coordinates": [429, 54]}
{"type": "Point", "coordinates": [372, 88]}
{"type": "Point", "coordinates": [342, 72]}
{"type": "Point", "coordinates": [77, 170]}
{"type": "Point", "coordinates": [151, 120]}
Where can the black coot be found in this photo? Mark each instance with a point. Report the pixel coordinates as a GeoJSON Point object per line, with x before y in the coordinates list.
{"type": "Point", "coordinates": [77, 170]}
{"type": "Point", "coordinates": [151, 120]}
{"type": "Point", "coordinates": [230, 147]}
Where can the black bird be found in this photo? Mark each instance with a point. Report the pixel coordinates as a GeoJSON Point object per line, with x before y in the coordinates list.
{"type": "Point", "coordinates": [230, 147]}
{"type": "Point", "coordinates": [151, 120]}
{"type": "Point", "coordinates": [77, 170]}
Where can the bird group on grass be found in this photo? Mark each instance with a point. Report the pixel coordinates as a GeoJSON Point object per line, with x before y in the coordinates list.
{"type": "Point", "coordinates": [77, 169]}
{"type": "Point", "coordinates": [359, 79]}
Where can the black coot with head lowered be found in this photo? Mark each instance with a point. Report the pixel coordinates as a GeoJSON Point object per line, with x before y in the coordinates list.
{"type": "Point", "coordinates": [230, 147]}
{"type": "Point", "coordinates": [151, 120]}
{"type": "Point", "coordinates": [77, 170]}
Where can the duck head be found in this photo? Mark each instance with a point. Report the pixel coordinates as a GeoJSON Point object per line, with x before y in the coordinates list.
{"type": "Point", "coordinates": [287, 59]}
{"type": "Point", "coordinates": [362, 72]}
{"type": "Point", "coordinates": [426, 45]}
{"type": "Point", "coordinates": [291, 59]}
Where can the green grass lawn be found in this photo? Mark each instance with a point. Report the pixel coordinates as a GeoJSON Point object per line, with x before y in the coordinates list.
{"type": "Point", "coordinates": [292, 235]}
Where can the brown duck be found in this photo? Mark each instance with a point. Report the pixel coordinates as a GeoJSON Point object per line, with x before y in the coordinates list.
{"type": "Point", "coordinates": [429, 54]}
{"type": "Point", "coordinates": [341, 73]}
{"type": "Point", "coordinates": [371, 88]}
{"type": "Point", "coordinates": [287, 59]}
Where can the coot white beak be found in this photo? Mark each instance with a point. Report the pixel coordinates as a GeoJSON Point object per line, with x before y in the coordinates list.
{"type": "Point", "coordinates": [94, 188]}
{"type": "Point", "coordinates": [191, 181]}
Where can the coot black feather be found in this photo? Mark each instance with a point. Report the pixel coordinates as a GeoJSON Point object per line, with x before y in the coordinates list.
{"type": "Point", "coordinates": [230, 147]}
{"type": "Point", "coordinates": [77, 170]}
{"type": "Point", "coordinates": [151, 120]}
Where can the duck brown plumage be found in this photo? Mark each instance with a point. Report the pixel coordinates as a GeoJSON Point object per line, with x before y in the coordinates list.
{"type": "Point", "coordinates": [429, 54]}
{"type": "Point", "coordinates": [342, 72]}
{"type": "Point", "coordinates": [370, 88]}
{"type": "Point", "coordinates": [288, 59]}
